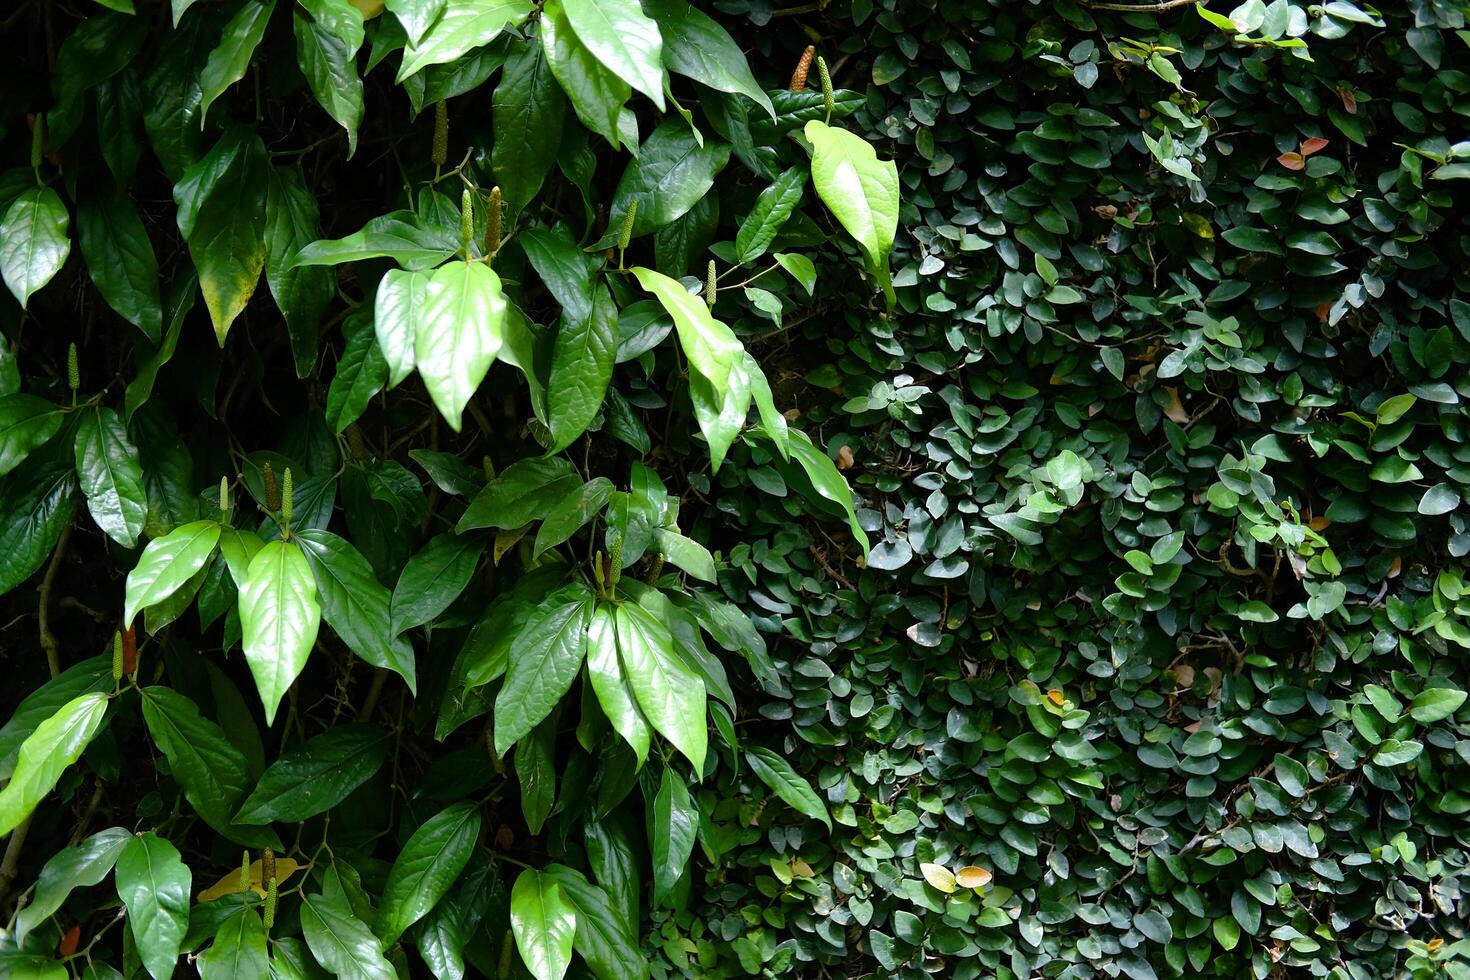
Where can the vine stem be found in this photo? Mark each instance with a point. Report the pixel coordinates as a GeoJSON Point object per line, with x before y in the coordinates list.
{"type": "Point", "coordinates": [1144, 8]}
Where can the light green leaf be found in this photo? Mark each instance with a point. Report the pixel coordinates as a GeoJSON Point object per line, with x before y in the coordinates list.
{"type": "Point", "coordinates": [604, 936]}
{"type": "Point", "coordinates": [675, 826]}
{"type": "Point", "coordinates": [721, 409]}
{"type": "Point", "coordinates": [328, 35]}
{"type": "Point", "coordinates": [230, 59]}
{"type": "Point", "coordinates": [355, 604]}
{"type": "Point", "coordinates": [827, 481]}
{"type": "Point", "coordinates": [544, 924]}
{"type": "Point", "coordinates": [800, 268]}
{"type": "Point", "coordinates": [279, 617]}
{"type": "Point", "coordinates": [120, 260]}
{"type": "Point", "coordinates": [397, 309]}
{"type": "Point", "coordinates": [1435, 704]}
{"type": "Point", "coordinates": [624, 40]}
{"type": "Point", "coordinates": [859, 189]}
{"type": "Point", "coordinates": [416, 16]}
{"type": "Point", "coordinates": [773, 423]}
{"type": "Point", "coordinates": [428, 864]}
{"type": "Point", "coordinates": [111, 475]}
{"type": "Point", "coordinates": [464, 26]}
{"type": "Point", "coordinates": [238, 951]}
{"type": "Point", "coordinates": [543, 664]}
{"type": "Point", "coordinates": [78, 866]}
{"type": "Point", "coordinates": [166, 564]}
{"type": "Point", "coordinates": [673, 173]}
{"type": "Point", "coordinates": [686, 553]}
{"type": "Point", "coordinates": [597, 95]}
{"type": "Point", "coordinates": [528, 114]}
{"type": "Point", "coordinates": [33, 242]}
{"type": "Point", "coordinates": [154, 883]}
{"type": "Point", "coordinates": [771, 209]}
{"type": "Point", "coordinates": [458, 334]}
{"type": "Point", "coordinates": [609, 684]}
{"type": "Point", "coordinates": [26, 424]}
{"type": "Point", "coordinates": [46, 753]}
{"type": "Point", "coordinates": [712, 348]}
{"type": "Point", "coordinates": [316, 776]}
{"type": "Point", "coordinates": [84, 678]}
{"type": "Point", "coordinates": [786, 783]}
{"type": "Point", "coordinates": [340, 941]}
{"type": "Point", "coordinates": [670, 694]}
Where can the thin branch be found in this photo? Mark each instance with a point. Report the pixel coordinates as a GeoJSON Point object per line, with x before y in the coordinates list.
{"type": "Point", "coordinates": [1144, 8]}
{"type": "Point", "coordinates": [49, 643]}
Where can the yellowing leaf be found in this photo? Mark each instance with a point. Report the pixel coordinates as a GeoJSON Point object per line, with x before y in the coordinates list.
{"type": "Point", "coordinates": [972, 877]}
{"type": "Point", "coordinates": [229, 883]}
{"type": "Point", "coordinates": [938, 876]}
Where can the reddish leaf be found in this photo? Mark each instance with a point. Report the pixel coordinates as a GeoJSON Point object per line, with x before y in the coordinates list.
{"type": "Point", "coordinates": [69, 941]}
{"type": "Point", "coordinates": [1291, 160]}
{"type": "Point", "coordinates": [1312, 145]}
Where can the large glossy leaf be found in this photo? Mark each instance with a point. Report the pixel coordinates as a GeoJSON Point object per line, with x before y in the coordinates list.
{"type": "Point", "coordinates": [672, 173]}
{"type": "Point", "coordinates": [543, 664]}
{"type": "Point", "coordinates": [111, 475]}
{"type": "Point", "coordinates": [670, 694]}
{"type": "Point", "coordinates": [596, 93]}
{"type": "Point", "coordinates": [33, 241]}
{"type": "Point", "coordinates": [769, 213]}
{"type": "Point", "coordinates": [26, 424]}
{"type": "Point", "coordinates": [279, 617]}
{"type": "Point", "coordinates": [604, 936]}
{"type": "Point", "coordinates": [525, 492]}
{"type": "Point", "coordinates": [445, 932]}
{"type": "Point", "coordinates": [78, 866]}
{"type": "Point", "coordinates": [239, 949]}
{"type": "Point", "coordinates": [361, 373]}
{"type": "Point", "coordinates": [303, 293]}
{"type": "Point", "coordinates": [166, 564]}
{"type": "Point", "coordinates": [786, 783]}
{"type": "Point", "coordinates": [355, 604]}
{"type": "Point", "coordinates": [316, 776]}
{"type": "Point", "coordinates": [611, 688]}
{"type": "Point", "coordinates": [328, 34]}
{"type": "Point", "coordinates": [340, 941]}
{"type": "Point", "coordinates": [212, 772]}
{"type": "Point", "coordinates": [582, 357]}
{"type": "Point", "coordinates": [46, 753]}
{"type": "Point", "coordinates": [426, 868]}
{"type": "Point", "coordinates": [434, 578]}
{"type": "Point", "coordinates": [615, 861]}
{"type": "Point", "coordinates": [675, 826]}
{"type": "Point", "coordinates": [826, 480]}
{"type": "Point", "coordinates": [120, 259]}
{"type": "Point", "coordinates": [528, 113]}
{"type": "Point", "coordinates": [37, 501]}
{"type": "Point", "coordinates": [572, 512]}
{"type": "Point", "coordinates": [712, 348]}
{"type": "Point", "coordinates": [222, 215]}
{"type": "Point", "coordinates": [401, 236]}
{"type": "Point", "coordinates": [87, 677]}
{"type": "Point", "coordinates": [624, 39]}
{"type": "Point", "coordinates": [569, 272]}
{"type": "Point", "coordinates": [400, 297]}
{"type": "Point", "coordinates": [230, 59]}
{"type": "Point", "coordinates": [458, 335]}
{"type": "Point", "coordinates": [463, 26]}
{"type": "Point", "coordinates": [536, 773]}
{"type": "Point", "coordinates": [860, 190]}
{"type": "Point", "coordinates": [544, 923]}
{"type": "Point", "coordinates": [154, 884]}
{"type": "Point", "coordinates": [721, 409]}
{"type": "Point", "coordinates": [699, 48]}
{"type": "Point", "coordinates": [416, 16]}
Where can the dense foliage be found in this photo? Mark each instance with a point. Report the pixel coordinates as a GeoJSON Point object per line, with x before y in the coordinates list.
{"type": "Point", "coordinates": [337, 464]}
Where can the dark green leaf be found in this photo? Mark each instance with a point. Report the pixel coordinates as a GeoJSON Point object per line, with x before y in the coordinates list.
{"type": "Point", "coordinates": [317, 776]}
{"type": "Point", "coordinates": [426, 868]}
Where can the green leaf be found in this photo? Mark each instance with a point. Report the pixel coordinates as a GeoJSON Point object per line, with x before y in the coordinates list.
{"type": "Point", "coordinates": [608, 683]}
{"type": "Point", "coordinates": [428, 864]}
{"type": "Point", "coordinates": [671, 175]}
{"type": "Point", "coordinates": [582, 357]}
{"type": "Point", "coordinates": [416, 16]}
{"type": "Point", "coordinates": [698, 48]}
{"type": "Point", "coordinates": [675, 826]}
{"type": "Point", "coordinates": [111, 475]}
{"type": "Point", "coordinates": [26, 424]}
{"type": "Point", "coordinates": [536, 774]}
{"type": "Point", "coordinates": [525, 492]}
{"type": "Point", "coordinates": [37, 501]}
{"type": "Point", "coordinates": [33, 242]}
{"type": "Point", "coordinates": [670, 694]}
{"type": "Point", "coordinates": [222, 215]}
{"type": "Point", "coordinates": [212, 772]}
{"type": "Point", "coordinates": [120, 260]}
{"type": "Point", "coordinates": [624, 40]}
{"type": "Point", "coordinates": [87, 677]}
{"type": "Point", "coordinates": [827, 481]}
{"type": "Point", "coordinates": [154, 885]}
{"type": "Point", "coordinates": [78, 866]}
{"type": "Point", "coordinates": [303, 293]}
{"type": "Point", "coordinates": [784, 781]}
{"type": "Point", "coordinates": [860, 190]}
{"type": "Point", "coordinates": [397, 309]}
{"type": "Point", "coordinates": [458, 334]}
{"type": "Point", "coordinates": [772, 208]}
{"type": "Point", "coordinates": [566, 270]}
{"type": "Point", "coordinates": [543, 664]}
{"type": "Point", "coordinates": [340, 941]}
{"type": "Point", "coordinates": [686, 553]}
{"type": "Point", "coordinates": [46, 753]}
{"type": "Point", "coordinates": [328, 36]}
{"type": "Point", "coordinates": [279, 617]}
{"type": "Point", "coordinates": [1253, 240]}
{"type": "Point", "coordinates": [230, 59]}
{"type": "Point", "coordinates": [166, 564]}
{"type": "Point", "coordinates": [361, 374]}
{"type": "Point", "coordinates": [433, 579]}
{"type": "Point", "coordinates": [316, 776]}
{"type": "Point", "coordinates": [180, 302]}
{"type": "Point", "coordinates": [597, 94]}
{"type": "Point", "coordinates": [355, 604]}
{"type": "Point", "coordinates": [604, 937]}
{"type": "Point", "coordinates": [401, 236]}
{"type": "Point", "coordinates": [527, 115]}
{"type": "Point", "coordinates": [712, 348]}
{"type": "Point", "coordinates": [238, 951]}
{"type": "Point", "coordinates": [721, 409]}
{"type": "Point", "coordinates": [464, 26]}
{"type": "Point", "coordinates": [544, 924]}
{"type": "Point", "coordinates": [573, 511]}
{"type": "Point", "coordinates": [1435, 704]}
{"type": "Point", "coordinates": [31, 966]}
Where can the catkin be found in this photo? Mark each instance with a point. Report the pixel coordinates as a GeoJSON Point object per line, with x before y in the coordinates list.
{"type": "Point", "coordinates": [73, 368]}
{"type": "Point", "coordinates": [117, 656]}
{"type": "Point", "coordinates": [38, 140]}
{"type": "Point", "coordinates": [272, 488]}
{"type": "Point", "coordinates": [224, 496]}
{"type": "Point", "coordinates": [492, 221]}
{"type": "Point", "coordinates": [656, 569]}
{"type": "Point", "coordinates": [441, 133]}
{"type": "Point", "coordinates": [829, 101]}
{"type": "Point", "coordinates": [710, 287]}
{"type": "Point", "coordinates": [615, 563]}
{"type": "Point", "coordinates": [286, 495]}
{"type": "Point", "coordinates": [625, 236]}
{"type": "Point", "coordinates": [268, 874]}
{"type": "Point", "coordinates": [244, 871]}
{"type": "Point", "coordinates": [467, 217]}
{"type": "Point", "coordinates": [798, 77]}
